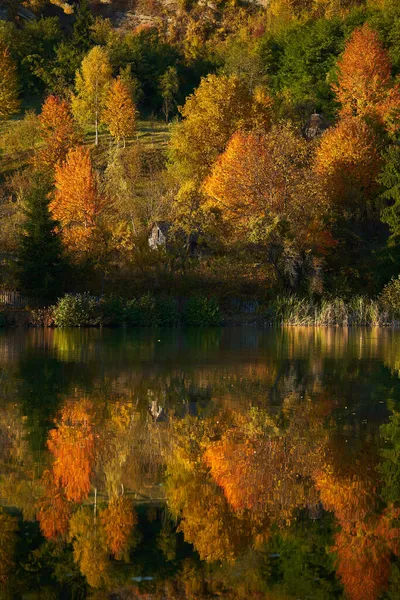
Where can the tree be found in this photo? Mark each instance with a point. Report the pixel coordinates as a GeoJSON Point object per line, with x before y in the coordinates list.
{"type": "Point", "coordinates": [364, 83]}
{"type": "Point", "coordinates": [119, 112]}
{"type": "Point", "coordinates": [58, 132]}
{"type": "Point", "coordinates": [219, 107]}
{"type": "Point", "coordinates": [169, 88]}
{"type": "Point", "coordinates": [348, 160]}
{"type": "Point", "coordinates": [72, 445]}
{"type": "Point", "coordinates": [53, 509]}
{"type": "Point", "coordinates": [92, 83]}
{"type": "Point", "coordinates": [77, 203]}
{"type": "Point", "coordinates": [264, 189]}
{"type": "Point", "coordinates": [40, 256]}
{"type": "Point", "coordinates": [389, 178]}
{"type": "Point", "coordinates": [118, 520]}
{"type": "Point", "coordinates": [90, 547]}
{"type": "Point", "coordinates": [9, 102]}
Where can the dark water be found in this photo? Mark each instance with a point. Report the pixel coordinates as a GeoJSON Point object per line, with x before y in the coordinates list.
{"type": "Point", "coordinates": [230, 463]}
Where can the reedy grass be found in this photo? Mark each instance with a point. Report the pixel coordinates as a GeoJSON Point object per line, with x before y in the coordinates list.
{"type": "Point", "coordinates": [359, 311]}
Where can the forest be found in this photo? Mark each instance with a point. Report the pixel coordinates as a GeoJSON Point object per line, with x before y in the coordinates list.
{"type": "Point", "coordinates": [239, 149]}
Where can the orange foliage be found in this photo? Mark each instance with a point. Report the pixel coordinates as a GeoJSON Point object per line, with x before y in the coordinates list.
{"type": "Point", "coordinates": [365, 85]}
{"type": "Point", "coordinates": [53, 514]}
{"type": "Point", "coordinates": [118, 520]}
{"type": "Point", "coordinates": [351, 497]}
{"type": "Point", "coordinates": [77, 204]}
{"type": "Point", "coordinates": [263, 179]}
{"type": "Point", "coordinates": [348, 161]}
{"type": "Point", "coordinates": [262, 475]}
{"type": "Point", "coordinates": [72, 444]}
{"type": "Point", "coordinates": [57, 132]}
{"type": "Point", "coordinates": [364, 556]}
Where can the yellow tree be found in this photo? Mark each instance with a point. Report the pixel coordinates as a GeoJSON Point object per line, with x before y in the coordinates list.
{"type": "Point", "coordinates": [90, 547]}
{"type": "Point", "coordinates": [77, 204]}
{"type": "Point", "coordinates": [365, 85]}
{"type": "Point", "coordinates": [9, 102]}
{"type": "Point", "coordinates": [92, 83]}
{"type": "Point", "coordinates": [219, 107]}
{"type": "Point", "coordinates": [57, 131]}
{"type": "Point", "coordinates": [120, 113]}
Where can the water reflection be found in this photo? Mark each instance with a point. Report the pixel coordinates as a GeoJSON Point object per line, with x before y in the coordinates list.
{"type": "Point", "coordinates": [222, 463]}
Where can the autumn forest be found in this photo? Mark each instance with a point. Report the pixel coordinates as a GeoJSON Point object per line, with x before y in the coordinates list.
{"type": "Point", "coordinates": [239, 150]}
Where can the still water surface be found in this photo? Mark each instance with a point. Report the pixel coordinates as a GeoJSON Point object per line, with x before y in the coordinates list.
{"type": "Point", "coordinates": [221, 463]}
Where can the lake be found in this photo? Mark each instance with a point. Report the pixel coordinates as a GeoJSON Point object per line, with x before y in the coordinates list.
{"type": "Point", "coordinates": [193, 464]}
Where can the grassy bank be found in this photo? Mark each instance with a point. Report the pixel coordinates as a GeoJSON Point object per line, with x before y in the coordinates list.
{"type": "Point", "coordinates": [84, 310]}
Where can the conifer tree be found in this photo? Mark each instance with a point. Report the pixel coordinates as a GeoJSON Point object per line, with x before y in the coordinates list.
{"type": "Point", "coordinates": [41, 263]}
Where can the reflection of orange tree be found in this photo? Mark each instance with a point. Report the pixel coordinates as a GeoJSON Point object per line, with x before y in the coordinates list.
{"type": "Point", "coordinates": [118, 520]}
{"type": "Point", "coordinates": [53, 509]}
{"type": "Point", "coordinates": [364, 555]}
{"type": "Point", "coordinates": [207, 521]}
{"type": "Point", "coordinates": [366, 540]}
{"type": "Point", "coordinates": [72, 445]}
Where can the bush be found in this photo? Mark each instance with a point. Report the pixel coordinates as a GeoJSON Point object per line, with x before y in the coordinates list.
{"type": "Point", "coordinates": [142, 312]}
{"type": "Point", "coordinates": [3, 319]}
{"type": "Point", "coordinates": [168, 311]}
{"type": "Point", "coordinates": [77, 310]}
{"type": "Point", "coordinates": [390, 298]}
{"type": "Point", "coordinates": [112, 309]}
{"type": "Point", "coordinates": [200, 310]}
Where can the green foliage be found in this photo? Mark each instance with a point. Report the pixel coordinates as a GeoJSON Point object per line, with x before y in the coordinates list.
{"type": "Point", "coordinates": [202, 311]}
{"type": "Point", "coordinates": [77, 310]}
{"type": "Point", "coordinates": [390, 180]}
{"type": "Point", "coordinates": [3, 319]}
{"type": "Point", "coordinates": [40, 255]}
{"type": "Point", "coordinates": [390, 465]}
{"type": "Point", "coordinates": [142, 312]}
{"type": "Point", "coordinates": [168, 311]}
{"type": "Point", "coordinates": [306, 57]}
{"type": "Point", "coordinates": [390, 297]}
{"type": "Point", "coordinates": [112, 310]}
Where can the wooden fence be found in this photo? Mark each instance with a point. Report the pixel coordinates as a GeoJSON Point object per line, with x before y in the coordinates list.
{"type": "Point", "coordinates": [12, 298]}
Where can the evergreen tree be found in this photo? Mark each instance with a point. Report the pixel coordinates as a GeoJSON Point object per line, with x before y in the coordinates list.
{"type": "Point", "coordinates": [81, 36]}
{"type": "Point", "coordinates": [389, 178]}
{"type": "Point", "coordinates": [40, 250]}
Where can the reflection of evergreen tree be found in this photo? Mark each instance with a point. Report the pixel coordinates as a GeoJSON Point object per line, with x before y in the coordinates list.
{"type": "Point", "coordinates": [43, 381]}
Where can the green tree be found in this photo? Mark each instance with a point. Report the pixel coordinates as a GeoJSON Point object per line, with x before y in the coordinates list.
{"type": "Point", "coordinates": [169, 88]}
{"type": "Point", "coordinates": [92, 83]}
{"type": "Point", "coordinates": [389, 178]}
{"type": "Point", "coordinates": [41, 263]}
{"type": "Point", "coordinates": [9, 102]}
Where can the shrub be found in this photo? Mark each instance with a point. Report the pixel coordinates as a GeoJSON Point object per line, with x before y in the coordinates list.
{"type": "Point", "coordinates": [200, 310]}
{"type": "Point", "coordinates": [3, 319]}
{"type": "Point", "coordinates": [168, 311]}
{"type": "Point", "coordinates": [112, 309]}
{"type": "Point", "coordinates": [390, 298]}
{"type": "Point", "coordinates": [77, 310]}
{"type": "Point", "coordinates": [142, 312]}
